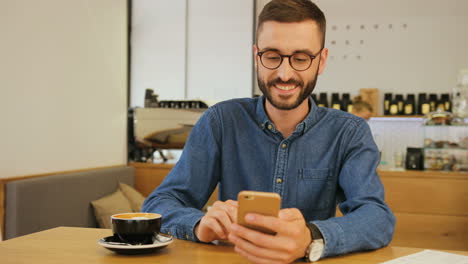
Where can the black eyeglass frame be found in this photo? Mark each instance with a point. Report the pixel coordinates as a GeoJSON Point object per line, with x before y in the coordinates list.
{"type": "Point", "coordinates": [312, 57]}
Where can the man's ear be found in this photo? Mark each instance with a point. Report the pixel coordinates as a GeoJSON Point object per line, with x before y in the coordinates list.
{"type": "Point", "coordinates": [255, 51]}
{"type": "Point", "coordinates": [323, 60]}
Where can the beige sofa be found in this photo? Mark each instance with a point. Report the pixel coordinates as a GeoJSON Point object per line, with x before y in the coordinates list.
{"type": "Point", "coordinates": [39, 203]}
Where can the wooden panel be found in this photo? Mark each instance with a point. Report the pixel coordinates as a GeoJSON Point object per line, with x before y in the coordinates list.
{"type": "Point", "coordinates": [2, 209]}
{"type": "Point", "coordinates": [17, 178]}
{"type": "Point", "coordinates": [431, 231]}
{"type": "Point", "coordinates": [149, 176]}
{"type": "Point", "coordinates": [446, 196]}
{"type": "Point", "coordinates": [424, 174]}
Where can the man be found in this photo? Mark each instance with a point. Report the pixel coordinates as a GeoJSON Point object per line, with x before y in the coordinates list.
{"type": "Point", "coordinates": [314, 157]}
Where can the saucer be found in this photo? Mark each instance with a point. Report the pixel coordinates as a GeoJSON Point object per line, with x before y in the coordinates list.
{"type": "Point", "coordinates": [118, 246]}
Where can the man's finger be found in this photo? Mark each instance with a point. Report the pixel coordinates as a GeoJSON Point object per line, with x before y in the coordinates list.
{"type": "Point", "coordinates": [222, 217]}
{"type": "Point", "coordinates": [290, 214]}
{"type": "Point", "coordinates": [233, 203]}
{"type": "Point", "coordinates": [213, 225]}
{"type": "Point", "coordinates": [258, 238]}
{"type": "Point", "coordinates": [269, 222]}
{"type": "Point", "coordinates": [231, 208]}
{"type": "Point", "coordinates": [259, 251]}
{"type": "Point", "coordinates": [255, 259]}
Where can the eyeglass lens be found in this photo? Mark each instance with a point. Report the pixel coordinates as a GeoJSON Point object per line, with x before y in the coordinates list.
{"type": "Point", "coordinates": [298, 61]}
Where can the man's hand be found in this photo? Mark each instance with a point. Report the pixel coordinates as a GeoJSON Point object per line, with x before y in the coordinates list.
{"type": "Point", "coordinates": [216, 224]}
{"type": "Point", "coordinates": [290, 242]}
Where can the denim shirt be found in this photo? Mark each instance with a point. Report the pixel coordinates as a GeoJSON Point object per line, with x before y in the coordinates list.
{"type": "Point", "coordinates": [330, 159]}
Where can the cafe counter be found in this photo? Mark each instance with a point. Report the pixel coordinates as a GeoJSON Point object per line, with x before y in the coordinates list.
{"type": "Point", "coordinates": [431, 206]}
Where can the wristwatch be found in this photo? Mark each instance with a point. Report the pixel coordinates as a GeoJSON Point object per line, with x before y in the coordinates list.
{"type": "Point", "coordinates": [315, 249]}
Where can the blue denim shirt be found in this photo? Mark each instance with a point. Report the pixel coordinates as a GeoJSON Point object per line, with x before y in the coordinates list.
{"type": "Point", "coordinates": [329, 159]}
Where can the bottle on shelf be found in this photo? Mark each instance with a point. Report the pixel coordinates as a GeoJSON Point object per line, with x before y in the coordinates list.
{"type": "Point", "coordinates": [335, 101]}
{"type": "Point", "coordinates": [433, 101]}
{"type": "Point", "coordinates": [424, 106]}
{"type": "Point", "coordinates": [400, 102]}
{"type": "Point", "coordinates": [393, 109]}
{"type": "Point", "coordinates": [409, 106]}
{"type": "Point", "coordinates": [387, 101]}
{"type": "Point", "coordinates": [323, 101]}
{"type": "Point", "coordinates": [440, 105]}
{"type": "Point", "coordinates": [148, 97]}
{"type": "Point", "coordinates": [346, 103]}
{"type": "Point", "coordinates": [447, 103]}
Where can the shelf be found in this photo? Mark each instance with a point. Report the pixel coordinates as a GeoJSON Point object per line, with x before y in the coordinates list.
{"type": "Point", "coordinates": [445, 126]}
{"type": "Point", "coordinates": [465, 149]}
{"type": "Point", "coordinates": [425, 174]}
{"type": "Point", "coordinates": [398, 116]}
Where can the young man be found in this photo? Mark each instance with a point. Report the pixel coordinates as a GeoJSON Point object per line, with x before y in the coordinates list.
{"type": "Point", "coordinates": [314, 157]}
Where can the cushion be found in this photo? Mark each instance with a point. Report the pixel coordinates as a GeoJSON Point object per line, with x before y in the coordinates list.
{"type": "Point", "coordinates": [170, 136]}
{"type": "Point", "coordinates": [135, 198]}
{"type": "Point", "coordinates": [106, 206]}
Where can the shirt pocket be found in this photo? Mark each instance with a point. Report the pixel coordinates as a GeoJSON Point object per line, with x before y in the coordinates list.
{"type": "Point", "coordinates": [314, 189]}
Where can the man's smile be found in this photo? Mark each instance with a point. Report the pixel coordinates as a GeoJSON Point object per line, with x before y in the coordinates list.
{"type": "Point", "coordinates": [285, 87]}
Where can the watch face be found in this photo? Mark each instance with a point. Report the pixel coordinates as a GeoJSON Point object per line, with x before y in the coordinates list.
{"type": "Point", "coordinates": [315, 250]}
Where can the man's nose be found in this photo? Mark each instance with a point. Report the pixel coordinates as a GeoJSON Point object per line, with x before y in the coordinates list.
{"type": "Point", "coordinates": [285, 71]}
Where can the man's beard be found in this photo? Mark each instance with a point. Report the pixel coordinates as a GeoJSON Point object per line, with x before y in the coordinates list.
{"type": "Point", "coordinates": [305, 92]}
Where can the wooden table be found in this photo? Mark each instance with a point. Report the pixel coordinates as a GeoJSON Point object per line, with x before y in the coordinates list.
{"type": "Point", "coordinates": [79, 245]}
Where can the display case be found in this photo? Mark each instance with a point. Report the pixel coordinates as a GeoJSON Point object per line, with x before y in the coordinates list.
{"type": "Point", "coordinates": [445, 143]}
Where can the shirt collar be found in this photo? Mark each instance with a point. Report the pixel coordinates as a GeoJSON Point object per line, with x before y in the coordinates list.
{"type": "Point", "coordinates": [303, 126]}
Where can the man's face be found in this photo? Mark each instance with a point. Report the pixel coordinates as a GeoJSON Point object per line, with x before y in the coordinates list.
{"type": "Point", "coordinates": [284, 87]}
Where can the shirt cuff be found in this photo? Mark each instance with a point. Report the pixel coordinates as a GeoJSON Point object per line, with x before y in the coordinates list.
{"type": "Point", "coordinates": [185, 228]}
{"type": "Point", "coordinates": [333, 237]}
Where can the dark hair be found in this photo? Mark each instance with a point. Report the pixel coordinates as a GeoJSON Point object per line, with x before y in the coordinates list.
{"type": "Point", "coordinates": [293, 11]}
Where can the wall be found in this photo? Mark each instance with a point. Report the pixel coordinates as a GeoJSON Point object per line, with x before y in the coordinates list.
{"type": "Point", "coordinates": [63, 81]}
{"type": "Point", "coordinates": [158, 48]}
{"type": "Point", "coordinates": [397, 46]}
{"type": "Point", "coordinates": [191, 49]}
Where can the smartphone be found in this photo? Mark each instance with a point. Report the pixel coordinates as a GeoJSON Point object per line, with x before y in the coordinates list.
{"type": "Point", "coordinates": [264, 203]}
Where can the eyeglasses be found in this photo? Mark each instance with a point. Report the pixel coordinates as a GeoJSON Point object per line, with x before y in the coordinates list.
{"type": "Point", "coordinates": [299, 61]}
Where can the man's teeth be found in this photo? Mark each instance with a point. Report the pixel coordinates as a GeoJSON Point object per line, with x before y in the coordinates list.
{"type": "Point", "coordinates": [285, 88]}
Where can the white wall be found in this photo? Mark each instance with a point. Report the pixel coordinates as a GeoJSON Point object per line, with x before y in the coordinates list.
{"type": "Point", "coordinates": [158, 41]}
{"type": "Point", "coordinates": [63, 85]}
{"type": "Point", "coordinates": [219, 58]}
{"type": "Point", "coordinates": [419, 45]}
{"type": "Point", "coordinates": [191, 49]}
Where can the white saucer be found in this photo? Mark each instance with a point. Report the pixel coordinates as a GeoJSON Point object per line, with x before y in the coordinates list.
{"type": "Point", "coordinates": [116, 245]}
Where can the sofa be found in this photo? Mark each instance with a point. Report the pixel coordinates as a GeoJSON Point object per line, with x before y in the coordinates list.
{"type": "Point", "coordinates": [40, 203]}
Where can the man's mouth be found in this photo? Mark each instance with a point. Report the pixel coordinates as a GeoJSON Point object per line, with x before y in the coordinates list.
{"type": "Point", "coordinates": [285, 87]}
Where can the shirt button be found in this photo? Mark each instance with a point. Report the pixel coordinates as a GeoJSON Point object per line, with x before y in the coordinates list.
{"type": "Point", "coordinates": [279, 180]}
{"type": "Point", "coordinates": [187, 237]}
{"type": "Point", "coordinates": [270, 127]}
{"type": "Point", "coordinates": [284, 145]}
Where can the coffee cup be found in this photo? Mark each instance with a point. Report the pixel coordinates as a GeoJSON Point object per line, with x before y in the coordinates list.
{"type": "Point", "coordinates": [136, 228]}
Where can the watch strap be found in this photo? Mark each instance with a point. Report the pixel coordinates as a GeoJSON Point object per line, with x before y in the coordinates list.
{"type": "Point", "coordinates": [314, 231]}
{"type": "Point", "coordinates": [315, 249]}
